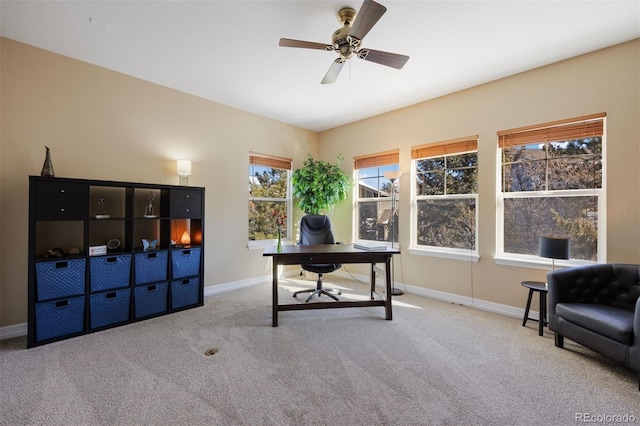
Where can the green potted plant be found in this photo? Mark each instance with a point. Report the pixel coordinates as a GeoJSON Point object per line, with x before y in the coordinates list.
{"type": "Point", "coordinates": [319, 185]}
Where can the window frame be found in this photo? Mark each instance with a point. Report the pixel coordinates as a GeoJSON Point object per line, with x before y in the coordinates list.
{"type": "Point", "coordinates": [273, 162]}
{"type": "Point", "coordinates": [446, 148]}
{"type": "Point", "coordinates": [533, 261]}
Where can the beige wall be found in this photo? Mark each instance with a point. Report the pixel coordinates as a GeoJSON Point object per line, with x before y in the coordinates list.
{"type": "Point", "coordinates": [105, 125]}
{"type": "Point", "coordinates": [603, 81]}
{"type": "Point", "coordinates": [101, 124]}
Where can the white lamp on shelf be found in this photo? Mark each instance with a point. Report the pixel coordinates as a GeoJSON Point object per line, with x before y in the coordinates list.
{"type": "Point", "coordinates": [184, 171]}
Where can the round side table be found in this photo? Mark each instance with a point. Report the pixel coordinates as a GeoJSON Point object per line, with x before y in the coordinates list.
{"type": "Point", "coordinates": [541, 288]}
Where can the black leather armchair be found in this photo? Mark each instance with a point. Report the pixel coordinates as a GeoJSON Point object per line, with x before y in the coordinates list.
{"type": "Point", "coordinates": [316, 229]}
{"type": "Point", "coordinates": [598, 306]}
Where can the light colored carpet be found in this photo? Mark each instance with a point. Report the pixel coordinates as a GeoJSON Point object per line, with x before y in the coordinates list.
{"type": "Point", "coordinates": [434, 364]}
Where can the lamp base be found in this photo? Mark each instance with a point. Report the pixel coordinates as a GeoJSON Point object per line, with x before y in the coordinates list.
{"type": "Point", "coordinates": [396, 292]}
{"type": "Point", "coordinates": [184, 180]}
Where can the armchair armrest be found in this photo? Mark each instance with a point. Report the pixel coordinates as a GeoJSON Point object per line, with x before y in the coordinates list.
{"type": "Point", "coordinates": [561, 286]}
{"type": "Point", "coordinates": [634, 350]}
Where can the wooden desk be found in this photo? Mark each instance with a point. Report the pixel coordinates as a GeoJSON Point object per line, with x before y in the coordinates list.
{"type": "Point", "coordinates": [331, 253]}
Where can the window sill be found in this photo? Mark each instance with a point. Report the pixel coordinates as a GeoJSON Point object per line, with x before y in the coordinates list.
{"type": "Point", "coordinates": [262, 244]}
{"type": "Point", "coordinates": [474, 257]}
{"type": "Point", "coordinates": [534, 262]}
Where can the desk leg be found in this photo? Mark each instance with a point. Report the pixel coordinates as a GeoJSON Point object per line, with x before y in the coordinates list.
{"type": "Point", "coordinates": [274, 300]}
{"type": "Point", "coordinates": [389, 314]}
{"type": "Point", "coordinates": [373, 281]}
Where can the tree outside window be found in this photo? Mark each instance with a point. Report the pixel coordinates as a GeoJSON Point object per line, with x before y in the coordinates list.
{"type": "Point", "coordinates": [446, 197]}
{"type": "Point", "coordinates": [268, 193]}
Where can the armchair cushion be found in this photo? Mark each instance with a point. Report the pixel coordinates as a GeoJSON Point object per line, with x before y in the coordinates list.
{"type": "Point", "coordinates": [614, 323]}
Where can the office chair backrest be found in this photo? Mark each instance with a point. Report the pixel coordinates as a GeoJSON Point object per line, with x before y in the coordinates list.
{"type": "Point", "coordinates": [316, 229]}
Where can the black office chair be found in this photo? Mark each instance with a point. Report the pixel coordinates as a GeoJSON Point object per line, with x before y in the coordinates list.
{"type": "Point", "coordinates": [316, 229]}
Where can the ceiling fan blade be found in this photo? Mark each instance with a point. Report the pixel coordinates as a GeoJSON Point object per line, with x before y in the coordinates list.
{"type": "Point", "coordinates": [389, 59]}
{"type": "Point", "coordinates": [287, 42]}
{"type": "Point", "coordinates": [334, 70]}
{"type": "Point", "coordinates": [369, 14]}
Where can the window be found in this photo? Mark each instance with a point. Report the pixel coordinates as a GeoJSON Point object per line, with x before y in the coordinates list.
{"type": "Point", "coordinates": [269, 193]}
{"type": "Point", "coordinates": [551, 185]}
{"type": "Point", "coordinates": [446, 196]}
{"type": "Point", "coordinates": [376, 213]}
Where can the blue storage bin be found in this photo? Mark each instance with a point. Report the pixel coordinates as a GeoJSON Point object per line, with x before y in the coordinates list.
{"type": "Point", "coordinates": [108, 272]}
{"type": "Point", "coordinates": [109, 307]}
{"type": "Point", "coordinates": [185, 292]}
{"type": "Point", "coordinates": [151, 267]}
{"type": "Point", "coordinates": [150, 299]}
{"type": "Point", "coordinates": [185, 262]}
{"type": "Point", "coordinates": [59, 317]}
{"type": "Point", "coordinates": [60, 278]}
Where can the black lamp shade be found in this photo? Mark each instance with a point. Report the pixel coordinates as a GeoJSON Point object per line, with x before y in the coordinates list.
{"type": "Point", "coordinates": [554, 248]}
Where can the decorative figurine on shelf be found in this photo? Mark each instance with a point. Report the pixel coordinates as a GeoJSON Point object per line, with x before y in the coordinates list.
{"type": "Point", "coordinates": [102, 209]}
{"type": "Point", "coordinates": [113, 244]}
{"type": "Point", "coordinates": [54, 252]}
{"type": "Point", "coordinates": [149, 245]}
{"type": "Point", "coordinates": [47, 167]}
{"type": "Point", "coordinates": [148, 211]}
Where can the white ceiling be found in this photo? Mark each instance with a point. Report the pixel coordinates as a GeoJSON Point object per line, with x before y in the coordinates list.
{"type": "Point", "coordinates": [227, 51]}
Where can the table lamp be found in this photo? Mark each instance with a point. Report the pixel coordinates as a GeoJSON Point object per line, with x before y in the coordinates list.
{"type": "Point", "coordinates": [554, 248]}
{"type": "Point", "coordinates": [184, 171]}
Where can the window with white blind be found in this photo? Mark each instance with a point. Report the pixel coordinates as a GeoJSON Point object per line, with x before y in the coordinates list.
{"type": "Point", "coordinates": [376, 215]}
{"type": "Point", "coordinates": [269, 195]}
{"type": "Point", "coordinates": [445, 197]}
{"type": "Point", "coordinates": [551, 184]}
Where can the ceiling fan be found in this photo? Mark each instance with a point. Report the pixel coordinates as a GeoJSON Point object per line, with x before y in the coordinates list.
{"type": "Point", "coordinates": [347, 40]}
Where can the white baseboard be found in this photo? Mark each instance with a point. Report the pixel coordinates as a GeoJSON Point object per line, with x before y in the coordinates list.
{"type": "Point", "coordinates": [12, 331]}
{"type": "Point", "coordinates": [483, 305]}
{"type": "Point", "coordinates": [235, 285]}
{"type": "Point", "coordinates": [18, 330]}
